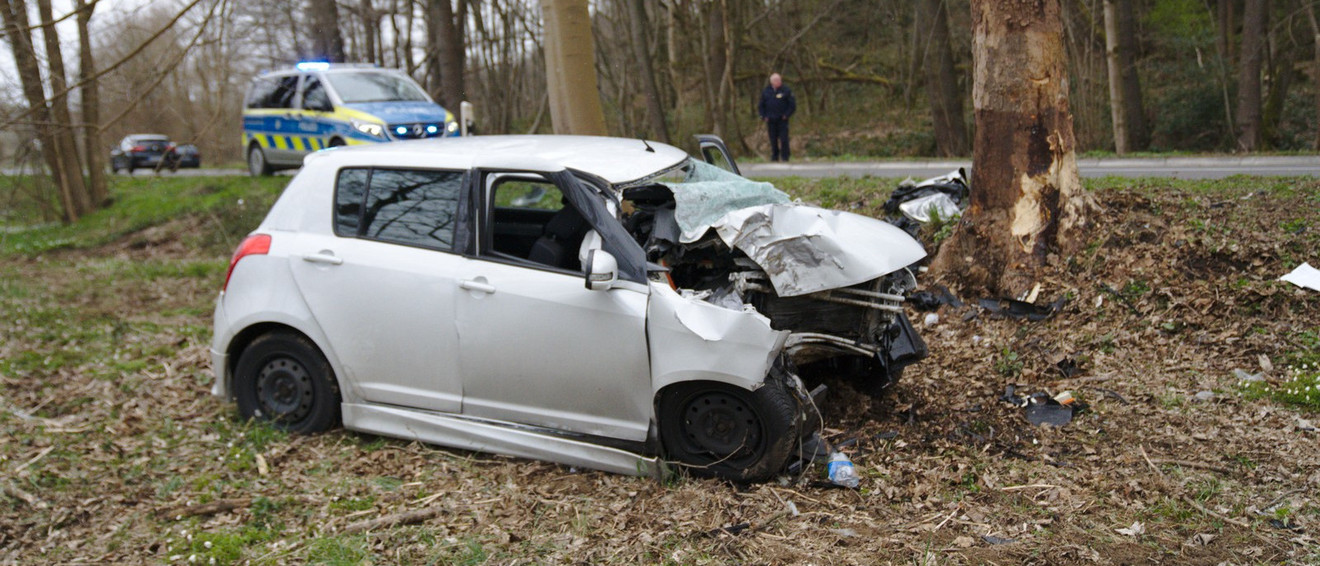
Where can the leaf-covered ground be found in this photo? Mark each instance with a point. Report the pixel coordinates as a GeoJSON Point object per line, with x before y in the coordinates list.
{"type": "Point", "coordinates": [114, 451]}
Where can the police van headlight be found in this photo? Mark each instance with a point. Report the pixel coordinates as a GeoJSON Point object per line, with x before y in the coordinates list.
{"type": "Point", "coordinates": [369, 128]}
{"type": "Point", "coordinates": [452, 127]}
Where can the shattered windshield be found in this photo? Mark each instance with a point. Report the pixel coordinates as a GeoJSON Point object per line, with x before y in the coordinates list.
{"type": "Point", "coordinates": [706, 193]}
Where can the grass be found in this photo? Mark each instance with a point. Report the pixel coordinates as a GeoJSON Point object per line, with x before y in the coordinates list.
{"type": "Point", "coordinates": [228, 205]}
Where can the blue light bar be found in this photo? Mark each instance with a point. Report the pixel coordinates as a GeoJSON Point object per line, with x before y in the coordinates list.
{"type": "Point", "coordinates": [432, 129]}
{"type": "Point", "coordinates": [312, 66]}
{"type": "Point", "coordinates": [401, 130]}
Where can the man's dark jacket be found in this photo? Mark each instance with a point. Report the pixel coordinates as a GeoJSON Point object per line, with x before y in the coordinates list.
{"type": "Point", "coordinates": [776, 103]}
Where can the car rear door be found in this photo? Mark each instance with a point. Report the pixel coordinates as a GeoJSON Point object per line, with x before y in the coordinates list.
{"type": "Point", "coordinates": [538, 348]}
{"type": "Point", "coordinates": [382, 285]}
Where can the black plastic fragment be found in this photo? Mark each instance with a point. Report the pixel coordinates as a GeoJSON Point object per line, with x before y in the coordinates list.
{"type": "Point", "coordinates": [1013, 308]}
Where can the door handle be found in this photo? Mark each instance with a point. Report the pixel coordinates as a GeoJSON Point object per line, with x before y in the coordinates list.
{"type": "Point", "coordinates": [324, 258]}
{"type": "Point", "coordinates": [479, 286]}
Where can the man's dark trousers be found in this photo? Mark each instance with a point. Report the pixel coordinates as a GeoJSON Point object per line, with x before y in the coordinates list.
{"type": "Point", "coordinates": [778, 128]}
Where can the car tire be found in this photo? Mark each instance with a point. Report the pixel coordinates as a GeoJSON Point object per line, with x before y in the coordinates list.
{"type": "Point", "coordinates": [719, 430]}
{"type": "Point", "coordinates": [257, 164]}
{"type": "Point", "coordinates": [336, 142]}
{"type": "Point", "coordinates": [283, 379]}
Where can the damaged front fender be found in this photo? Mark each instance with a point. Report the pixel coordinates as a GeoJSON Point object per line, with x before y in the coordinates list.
{"type": "Point", "coordinates": [693, 340]}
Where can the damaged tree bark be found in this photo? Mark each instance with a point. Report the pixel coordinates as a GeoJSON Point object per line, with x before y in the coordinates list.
{"type": "Point", "coordinates": [1027, 201]}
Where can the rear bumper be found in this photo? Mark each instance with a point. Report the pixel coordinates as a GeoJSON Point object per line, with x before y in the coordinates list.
{"type": "Point", "coordinates": [219, 367]}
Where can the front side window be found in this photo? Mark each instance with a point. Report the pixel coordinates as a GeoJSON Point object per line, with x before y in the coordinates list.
{"type": "Point", "coordinates": [374, 87]}
{"type": "Point", "coordinates": [273, 92]}
{"type": "Point", "coordinates": [402, 206]}
{"type": "Point", "coordinates": [314, 95]}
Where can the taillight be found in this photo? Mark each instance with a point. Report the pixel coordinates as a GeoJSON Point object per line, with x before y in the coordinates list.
{"type": "Point", "coordinates": [256, 244]}
{"type": "Point", "coordinates": [139, 148]}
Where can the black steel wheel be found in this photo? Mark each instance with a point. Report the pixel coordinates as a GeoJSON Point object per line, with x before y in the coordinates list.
{"type": "Point", "coordinates": [718, 430]}
{"type": "Point", "coordinates": [283, 379]}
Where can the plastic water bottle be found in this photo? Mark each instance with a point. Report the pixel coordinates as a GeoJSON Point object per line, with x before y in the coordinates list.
{"type": "Point", "coordinates": [842, 472]}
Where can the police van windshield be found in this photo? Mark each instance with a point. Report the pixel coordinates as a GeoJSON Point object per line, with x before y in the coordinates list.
{"type": "Point", "coordinates": [374, 87]}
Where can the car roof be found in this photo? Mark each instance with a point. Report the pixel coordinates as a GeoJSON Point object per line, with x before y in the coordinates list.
{"type": "Point", "coordinates": [148, 136]}
{"type": "Point", "coordinates": [617, 160]}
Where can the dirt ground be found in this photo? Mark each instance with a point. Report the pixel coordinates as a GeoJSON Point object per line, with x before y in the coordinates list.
{"type": "Point", "coordinates": [114, 451]}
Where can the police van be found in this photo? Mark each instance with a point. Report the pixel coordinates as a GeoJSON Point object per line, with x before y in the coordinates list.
{"type": "Point", "coordinates": [288, 114]}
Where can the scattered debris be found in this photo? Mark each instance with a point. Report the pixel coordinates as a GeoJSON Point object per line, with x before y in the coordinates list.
{"type": "Point", "coordinates": [943, 195]}
{"type": "Point", "coordinates": [1305, 425]}
{"type": "Point", "coordinates": [932, 300]}
{"type": "Point", "coordinates": [1013, 308]}
{"type": "Point", "coordinates": [963, 542]}
{"type": "Point", "coordinates": [842, 472]}
{"type": "Point", "coordinates": [1245, 377]}
{"type": "Point", "coordinates": [1043, 409]}
{"type": "Point", "coordinates": [1204, 396]}
{"type": "Point", "coordinates": [734, 530]}
{"type": "Point", "coordinates": [1286, 525]}
{"type": "Point", "coordinates": [931, 319]}
{"type": "Point", "coordinates": [1137, 529]}
{"type": "Point", "coordinates": [1304, 276]}
{"type": "Point", "coordinates": [994, 540]}
{"type": "Point", "coordinates": [1201, 539]}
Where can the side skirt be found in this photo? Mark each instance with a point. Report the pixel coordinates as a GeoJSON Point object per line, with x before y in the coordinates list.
{"type": "Point", "coordinates": [495, 437]}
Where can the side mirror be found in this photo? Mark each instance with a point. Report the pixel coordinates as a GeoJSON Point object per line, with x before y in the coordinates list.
{"type": "Point", "coordinates": [602, 270]}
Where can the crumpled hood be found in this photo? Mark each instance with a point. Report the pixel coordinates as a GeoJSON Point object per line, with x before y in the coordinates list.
{"type": "Point", "coordinates": [402, 112]}
{"type": "Point", "coordinates": [805, 249]}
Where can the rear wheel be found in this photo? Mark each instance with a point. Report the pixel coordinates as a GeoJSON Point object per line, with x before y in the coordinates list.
{"type": "Point", "coordinates": [718, 430]}
{"type": "Point", "coordinates": [336, 142]}
{"type": "Point", "coordinates": [257, 164]}
{"type": "Point", "coordinates": [283, 379]}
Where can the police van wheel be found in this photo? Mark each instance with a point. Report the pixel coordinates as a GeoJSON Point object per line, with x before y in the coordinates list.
{"type": "Point", "coordinates": [336, 143]}
{"type": "Point", "coordinates": [257, 164]}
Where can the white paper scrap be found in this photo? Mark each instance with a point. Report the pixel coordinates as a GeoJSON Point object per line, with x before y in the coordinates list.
{"type": "Point", "coordinates": [1304, 276]}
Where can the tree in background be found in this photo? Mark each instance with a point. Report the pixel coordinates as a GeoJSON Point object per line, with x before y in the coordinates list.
{"type": "Point", "coordinates": [445, 54]}
{"type": "Point", "coordinates": [1028, 203]}
{"type": "Point", "coordinates": [1126, 108]}
{"type": "Point", "coordinates": [1248, 119]}
{"type": "Point", "coordinates": [90, 101]}
{"type": "Point", "coordinates": [942, 90]}
{"type": "Point", "coordinates": [570, 68]}
{"type": "Point", "coordinates": [323, 23]}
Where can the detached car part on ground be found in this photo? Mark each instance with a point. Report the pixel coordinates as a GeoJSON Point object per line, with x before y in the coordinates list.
{"type": "Point", "coordinates": [598, 302]}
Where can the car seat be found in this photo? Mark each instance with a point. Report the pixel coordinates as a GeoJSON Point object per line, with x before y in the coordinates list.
{"type": "Point", "coordinates": [559, 241]}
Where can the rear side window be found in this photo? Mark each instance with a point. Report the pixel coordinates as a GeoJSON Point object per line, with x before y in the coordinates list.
{"type": "Point", "coordinates": [411, 207]}
{"type": "Point", "coordinates": [273, 92]}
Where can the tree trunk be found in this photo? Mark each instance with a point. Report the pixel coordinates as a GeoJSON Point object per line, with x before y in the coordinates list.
{"type": "Point", "coordinates": [1117, 109]}
{"type": "Point", "coordinates": [91, 106]}
{"type": "Point", "coordinates": [570, 68]}
{"type": "Point", "coordinates": [1315, 69]}
{"type": "Point", "coordinates": [1137, 128]}
{"type": "Point", "coordinates": [446, 38]}
{"type": "Point", "coordinates": [61, 126]}
{"type": "Point", "coordinates": [654, 107]}
{"type": "Point", "coordinates": [327, 41]}
{"type": "Point", "coordinates": [1249, 68]}
{"type": "Point", "coordinates": [942, 83]}
{"type": "Point", "coordinates": [1028, 206]}
{"type": "Point", "coordinates": [18, 29]}
{"type": "Point", "coordinates": [1224, 37]}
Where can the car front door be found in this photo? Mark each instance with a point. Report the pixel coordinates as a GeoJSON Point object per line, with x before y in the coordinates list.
{"type": "Point", "coordinates": [382, 286]}
{"type": "Point", "coordinates": [715, 152]}
{"type": "Point", "coordinates": [536, 346]}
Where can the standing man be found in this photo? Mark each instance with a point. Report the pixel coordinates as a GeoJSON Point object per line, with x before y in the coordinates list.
{"type": "Point", "coordinates": [776, 106]}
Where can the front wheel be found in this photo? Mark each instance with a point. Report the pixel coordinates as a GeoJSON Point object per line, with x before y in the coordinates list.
{"type": "Point", "coordinates": [257, 164]}
{"type": "Point", "coordinates": [284, 379]}
{"type": "Point", "coordinates": [718, 430]}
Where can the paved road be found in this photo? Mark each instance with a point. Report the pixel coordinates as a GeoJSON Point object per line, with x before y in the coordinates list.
{"type": "Point", "coordinates": [1174, 167]}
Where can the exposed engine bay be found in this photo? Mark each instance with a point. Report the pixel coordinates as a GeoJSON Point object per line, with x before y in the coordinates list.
{"type": "Point", "coordinates": [728, 252]}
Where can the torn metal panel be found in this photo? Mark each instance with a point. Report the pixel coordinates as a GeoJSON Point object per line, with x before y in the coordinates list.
{"type": "Point", "coordinates": [692, 339]}
{"type": "Point", "coordinates": [806, 249]}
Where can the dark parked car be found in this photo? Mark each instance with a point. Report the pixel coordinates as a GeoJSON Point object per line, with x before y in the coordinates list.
{"type": "Point", "coordinates": [185, 156]}
{"type": "Point", "coordinates": [140, 151]}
